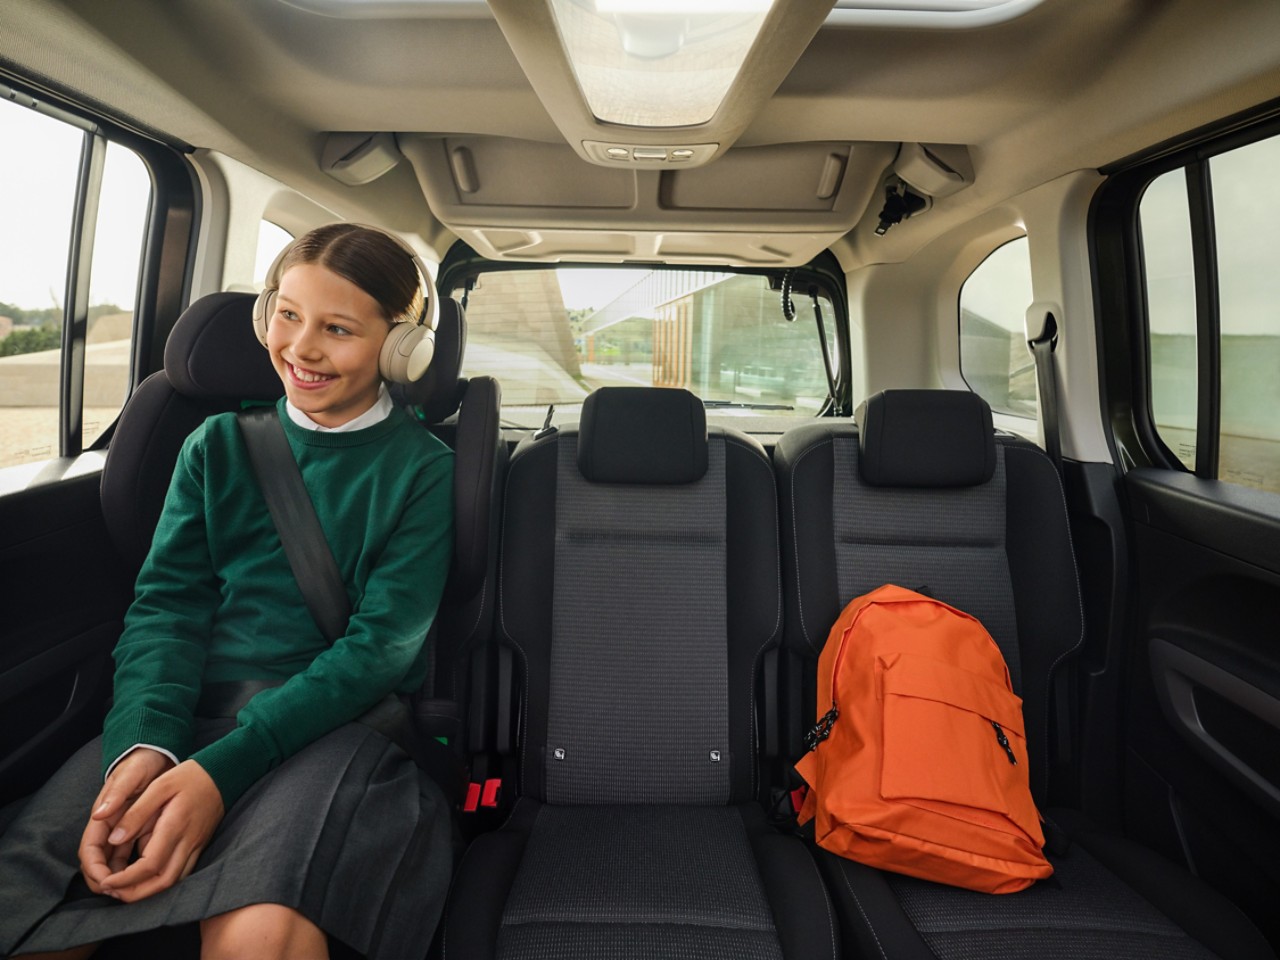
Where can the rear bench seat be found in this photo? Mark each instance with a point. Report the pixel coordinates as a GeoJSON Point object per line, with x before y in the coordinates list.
{"type": "Point", "coordinates": [639, 589]}
{"type": "Point", "coordinates": [926, 495]}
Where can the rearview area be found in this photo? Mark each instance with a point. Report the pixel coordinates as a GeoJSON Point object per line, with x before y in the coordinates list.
{"type": "Point", "coordinates": [551, 336]}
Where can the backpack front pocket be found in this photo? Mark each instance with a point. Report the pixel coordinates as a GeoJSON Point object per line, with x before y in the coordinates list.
{"type": "Point", "coordinates": [952, 737]}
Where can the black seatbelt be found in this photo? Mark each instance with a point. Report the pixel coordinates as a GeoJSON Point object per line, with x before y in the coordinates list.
{"type": "Point", "coordinates": [1042, 348]}
{"type": "Point", "coordinates": [295, 518]}
{"type": "Point", "coordinates": [321, 584]}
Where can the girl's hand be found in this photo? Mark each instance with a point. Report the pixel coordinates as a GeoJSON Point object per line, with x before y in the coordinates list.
{"type": "Point", "coordinates": [131, 776]}
{"type": "Point", "coordinates": [171, 824]}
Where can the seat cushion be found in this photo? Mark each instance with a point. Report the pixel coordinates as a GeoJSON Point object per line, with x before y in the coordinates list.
{"type": "Point", "coordinates": [1088, 910]}
{"type": "Point", "coordinates": [698, 883]}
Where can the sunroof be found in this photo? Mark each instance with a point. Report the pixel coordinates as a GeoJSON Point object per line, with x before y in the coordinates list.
{"type": "Point", "coordinates": [657, 63]}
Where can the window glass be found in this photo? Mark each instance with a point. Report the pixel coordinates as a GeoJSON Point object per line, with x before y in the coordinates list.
{"type": "Point", "coordinates": [271, 240]}
{"type": "Point", "coordinates": [553, 336]}
{"type": "Point", "coordinates": [994, 358]}
{"type": "Point", "coordinates": [39, 180]}
{"type": "Point", "coordinates": [38, 172]}
{"type": "Point", "coordinates": [113, 286]}
{"type": "Point", "coordinates": [1165, 223]}
{"type": "Point", "coordinates": [1246, 206]}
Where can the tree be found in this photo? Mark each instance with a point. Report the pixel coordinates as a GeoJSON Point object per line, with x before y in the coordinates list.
{"type": "Point", "coordinates": [31, 340]}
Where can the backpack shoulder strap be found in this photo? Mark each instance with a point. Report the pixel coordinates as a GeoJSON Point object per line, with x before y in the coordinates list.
{"type": "Point", "coordinates": [295, 518]}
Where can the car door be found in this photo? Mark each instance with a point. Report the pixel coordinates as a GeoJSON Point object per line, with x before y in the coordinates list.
{"type": "Point", "coordinates": [86, 207]}
{"type": "Point", "coordinates": [1186, 245]}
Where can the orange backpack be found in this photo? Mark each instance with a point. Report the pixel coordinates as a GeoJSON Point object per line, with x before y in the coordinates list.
{"type": "Point", "coordinates": [918, 763]}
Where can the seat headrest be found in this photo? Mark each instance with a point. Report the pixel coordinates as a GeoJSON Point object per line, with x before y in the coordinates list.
{"type": "Point", "coordinates": [212, 352]}
{"type": "Point", "coordinates": [925, 438]}
{"type": "Point", "coordinates": [439, 392]}
{"type": "Point", "coordinates": [648, 435]}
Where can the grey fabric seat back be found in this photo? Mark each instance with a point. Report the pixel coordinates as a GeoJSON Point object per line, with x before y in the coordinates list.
{"type": "Point", "coordinates": [639, 589]}
{"type": "Point", "coordinates": [926, 496]}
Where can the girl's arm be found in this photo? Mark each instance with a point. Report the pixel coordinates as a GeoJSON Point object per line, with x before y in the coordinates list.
{"type": "Point", "coordinates": [161, 653]}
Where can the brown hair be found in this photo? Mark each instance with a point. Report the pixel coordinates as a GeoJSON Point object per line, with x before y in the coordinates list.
{"type": "Point", "coordinates": [368, 258]}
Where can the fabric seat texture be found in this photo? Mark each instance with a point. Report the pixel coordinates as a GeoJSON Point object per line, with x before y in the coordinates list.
{"type": "Point", "coordinates": [924, 494]}
{"type": "Point", "coordinates": [639, 589]}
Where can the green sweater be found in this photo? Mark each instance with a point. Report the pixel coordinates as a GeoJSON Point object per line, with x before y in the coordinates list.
{"type": "Point", "coordinates": [216, 599]}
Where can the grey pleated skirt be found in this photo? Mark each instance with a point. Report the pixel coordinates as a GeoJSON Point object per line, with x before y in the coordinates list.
{"type": "Point", "coordinates": [349, 832]}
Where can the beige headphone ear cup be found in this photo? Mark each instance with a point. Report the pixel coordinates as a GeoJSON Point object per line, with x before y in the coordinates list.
{"type": "Point", "coordinates": [263, 307]}
{"type": "Point", "coordinates": [407, 352]}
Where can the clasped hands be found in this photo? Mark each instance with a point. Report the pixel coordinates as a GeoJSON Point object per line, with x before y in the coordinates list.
{"type": "Point", "coordinates": [164, 814]}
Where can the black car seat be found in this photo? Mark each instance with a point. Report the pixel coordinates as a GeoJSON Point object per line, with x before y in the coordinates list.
{"type": "Point", "coordinates": [924, 494]}
{"type": "Point", "coordinates": [213, 363]}
{"type": "Point", "coordinates": [638, 589]}
{"type": "Point", "coordinates": [456, 699]}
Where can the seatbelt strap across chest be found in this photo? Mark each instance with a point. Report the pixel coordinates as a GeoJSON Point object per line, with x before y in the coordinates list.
{"type": "Point", "coordinates": [295, 518]}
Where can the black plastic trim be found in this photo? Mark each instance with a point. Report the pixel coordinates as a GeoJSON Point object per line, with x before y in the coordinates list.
{"type": "Point", "coordinates": [1177, 673]}
{"type": "Point", "coordinates": [1204, 256]}
{"type": "Point", "coordinates": [1233, 520]}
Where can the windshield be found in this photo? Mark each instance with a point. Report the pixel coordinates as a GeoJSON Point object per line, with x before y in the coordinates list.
{"type": "Point", "coordinates": [551, 336]}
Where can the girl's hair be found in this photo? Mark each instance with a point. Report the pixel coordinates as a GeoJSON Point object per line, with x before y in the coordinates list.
{"type": "Point", "coordinates": [368, 258]}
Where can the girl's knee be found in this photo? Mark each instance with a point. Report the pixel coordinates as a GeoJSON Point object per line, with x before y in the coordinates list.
{"type": "Point", "coordinates": [268, 930]}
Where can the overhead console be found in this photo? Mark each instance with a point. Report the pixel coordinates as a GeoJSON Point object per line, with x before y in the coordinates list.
{"type": "Point", "coordinates": [771, 205]}
{"type": "Point", "coordinates": [656, 83]}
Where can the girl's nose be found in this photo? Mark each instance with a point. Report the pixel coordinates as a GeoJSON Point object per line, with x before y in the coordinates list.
{"type": "Point", "coordinates": [307, 342]}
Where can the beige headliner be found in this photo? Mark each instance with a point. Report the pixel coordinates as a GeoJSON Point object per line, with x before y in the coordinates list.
{"type": "Point", "coordinates": [1072, 85]}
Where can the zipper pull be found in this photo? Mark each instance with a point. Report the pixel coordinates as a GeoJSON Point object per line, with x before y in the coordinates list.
{"type": "Point", "coordinates": [1004, 742]}
{"type": "Point", "coordinates": [822, 730]}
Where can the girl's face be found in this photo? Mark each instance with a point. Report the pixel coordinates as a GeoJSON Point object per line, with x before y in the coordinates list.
{"type": "Point", "coordinates": [324, 337]}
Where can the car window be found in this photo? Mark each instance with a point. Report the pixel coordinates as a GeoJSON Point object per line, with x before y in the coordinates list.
{"type": "Point", "coordinates": [271, 240]}
{"type": "Point", "coordinates": [58, 171]}
{"type": "Point", "coordinates": [1169, 276]}
{"type": "Point", "coordinates": [994, 358]}
{"type": "Point", "coordinates": [1218, 313]}
{"type": "Point", "coordinates": [552, 336]}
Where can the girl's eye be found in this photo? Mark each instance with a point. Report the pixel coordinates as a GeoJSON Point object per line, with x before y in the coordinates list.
{"type": "Point", "coordinates": [288, 314]}
{"type": "Point", "coordinates": [339, 331]}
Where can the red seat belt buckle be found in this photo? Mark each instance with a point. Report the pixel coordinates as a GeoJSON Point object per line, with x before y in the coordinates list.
{"type": "Point", "coordinates": [797, 797]}
{"type": "Point", "coordinates": [473, 798]}
{"type": "Point", "coordinates": [489, 797]}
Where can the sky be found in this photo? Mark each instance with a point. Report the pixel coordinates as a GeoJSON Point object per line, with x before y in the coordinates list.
{"type": "Point", "coordinates": [37, 191]}
{"type": "Point", "coordinates": [582, 288]}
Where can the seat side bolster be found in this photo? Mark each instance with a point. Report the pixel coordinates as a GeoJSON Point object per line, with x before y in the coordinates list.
{"type": "Point", "coordinates": [1205, 914]}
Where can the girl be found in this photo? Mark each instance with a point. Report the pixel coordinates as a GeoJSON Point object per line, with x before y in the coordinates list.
{"type": "Point", "coordinates": [276, 820]}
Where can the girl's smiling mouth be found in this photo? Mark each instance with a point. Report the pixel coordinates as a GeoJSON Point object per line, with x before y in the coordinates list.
{"type": "Point", "coordinates": [308, 378]}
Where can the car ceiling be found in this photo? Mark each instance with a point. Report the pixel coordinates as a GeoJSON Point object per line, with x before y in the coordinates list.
{"type": "Point", "coordinates": [1072, 84]}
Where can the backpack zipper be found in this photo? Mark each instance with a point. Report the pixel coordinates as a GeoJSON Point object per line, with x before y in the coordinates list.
{"type": "Point", "coordinates": [1004, 742]}
{"type": "Point", "coordinates": [822, 729]}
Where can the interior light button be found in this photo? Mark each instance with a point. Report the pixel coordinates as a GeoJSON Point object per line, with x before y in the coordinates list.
{"type": "Point", "coordinates": [649, 153]}
{"type": "Point", "coordinates": [619, 153]}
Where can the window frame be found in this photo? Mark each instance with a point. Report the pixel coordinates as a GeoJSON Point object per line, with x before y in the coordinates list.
{"type": "Point", "coordinates": [165, 262]}
{"type": "Point", "coordinates": [462, 264]}
{"type": "Point", "coordinates": [1119, 269]}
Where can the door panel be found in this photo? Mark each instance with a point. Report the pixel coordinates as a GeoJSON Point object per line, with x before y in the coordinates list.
{"type": "Point", "coordinates": [1203, 779]}
{"type": "Point", "coordinates": [65, 595]}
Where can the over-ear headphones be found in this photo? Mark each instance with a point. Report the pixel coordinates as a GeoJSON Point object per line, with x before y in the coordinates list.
{"type": "Point", "coordinates": [410, 345]}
